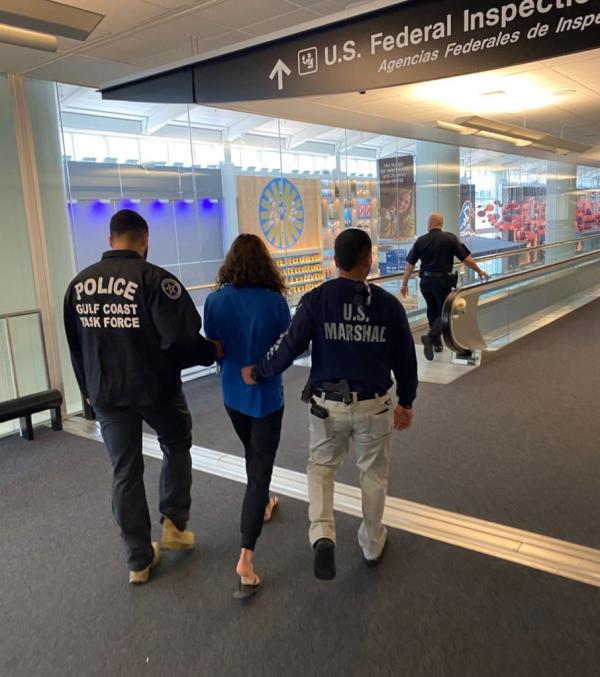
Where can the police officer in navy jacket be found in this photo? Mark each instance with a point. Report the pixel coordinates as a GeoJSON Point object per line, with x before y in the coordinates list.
{"type": "Point", "coordinates": [436, 250]}
{"type": "Point", "coordinates": [360, 335]}
{"type": "Point", "coordinates": [131, 328]}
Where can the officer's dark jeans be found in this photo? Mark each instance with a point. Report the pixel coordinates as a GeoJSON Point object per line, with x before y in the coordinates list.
{"type": "Point", "coordinates": [122, 433]}
{"type": "Point", "coordinates": [260, 437]}
{"type": "Point", "coordinates": [435, 290]}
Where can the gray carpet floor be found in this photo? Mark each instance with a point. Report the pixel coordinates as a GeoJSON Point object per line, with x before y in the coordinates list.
{"type": "Point", "coordinates": [430, 610]}
{"type": "Point", "coordinates": [514, 442]}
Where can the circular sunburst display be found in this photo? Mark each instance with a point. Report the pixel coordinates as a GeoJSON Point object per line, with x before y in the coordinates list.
{"type": "Point", "coordinates": [281, 213]}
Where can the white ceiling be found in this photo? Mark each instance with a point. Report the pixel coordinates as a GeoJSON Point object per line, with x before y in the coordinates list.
{"type": "Point", "coordinates": [559, 96]}
{"type": "Point", "coordinates": [136, 35]}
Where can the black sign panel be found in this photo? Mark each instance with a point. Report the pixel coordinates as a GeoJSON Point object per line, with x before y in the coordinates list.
{"type": "Point", "coordinates": [409, 42]}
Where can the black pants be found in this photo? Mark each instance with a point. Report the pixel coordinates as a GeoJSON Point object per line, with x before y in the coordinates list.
{"type": "Point", "coordinates": [435, 290]}
{"type": "Point", "coordinates": [122, 433]}
{"type": "Point", "coordinates": [260, 437]}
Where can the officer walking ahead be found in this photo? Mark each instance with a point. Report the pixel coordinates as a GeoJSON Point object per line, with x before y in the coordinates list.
{"type": "Point", "coordinates": [131, 328]}
{"type": "Point", "coordinates": [436, 250]}
{"type": "Point", "coordinates": [359, 335]}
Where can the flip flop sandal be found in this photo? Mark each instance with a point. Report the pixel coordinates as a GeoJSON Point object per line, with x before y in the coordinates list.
{"type": "Point", "coordinates": [274, 503]}
{"type": "Point", "coordinates": [245, 590]}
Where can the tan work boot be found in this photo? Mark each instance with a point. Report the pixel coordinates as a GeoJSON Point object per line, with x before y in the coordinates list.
{"type": "Point", "coordinates": [174, 539]}
{"type": "Point", "coordinates": [143, 576]}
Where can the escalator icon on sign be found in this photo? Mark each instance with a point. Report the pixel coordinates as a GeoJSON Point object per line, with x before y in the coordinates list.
{"type": "Point", "coordinates": [308, 61]}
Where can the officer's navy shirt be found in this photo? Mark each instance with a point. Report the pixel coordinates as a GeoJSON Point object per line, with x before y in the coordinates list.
{"type": "Point", "coordinates": [351, 339]}
{"type": "Point", "coordinates": [131, 328]}
{"type": "Point", "coordinates": [247, 321]}
{"type": "Point", "coordinates": [436, 250]}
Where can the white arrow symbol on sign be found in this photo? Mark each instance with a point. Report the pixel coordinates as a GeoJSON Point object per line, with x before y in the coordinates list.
{"type": "Point", "coordinates": [278, 70]}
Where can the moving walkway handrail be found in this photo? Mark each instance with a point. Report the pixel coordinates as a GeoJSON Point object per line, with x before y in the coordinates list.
{"type": "Point", "coordinates": [503, 254]}
{"type": "Point", "coordinates": [463, 302]}
{"type": "Point", "coordinates": [487, 257]}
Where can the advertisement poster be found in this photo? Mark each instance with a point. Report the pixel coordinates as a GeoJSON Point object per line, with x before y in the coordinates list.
{"type": "Point", "coordinates": [397, 198]}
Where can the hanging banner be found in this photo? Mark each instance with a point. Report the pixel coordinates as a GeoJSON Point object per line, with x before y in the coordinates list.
{"type": "Point", "coordinates": [396, 177]}
{"type": "Point", "coordinates": [412, 41]}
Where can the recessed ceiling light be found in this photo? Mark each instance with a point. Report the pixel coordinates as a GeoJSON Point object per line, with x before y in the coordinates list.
{"type": "Point", "coordinates": [47, 16]}
{"type": "Point", "coordinates": [24, 38]}
{"type": "Point", "coordinates": [496, 92]}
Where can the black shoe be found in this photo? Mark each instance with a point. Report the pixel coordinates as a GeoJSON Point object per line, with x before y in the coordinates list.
{"type": "Point", "coordinates": [377, 560]}
{"type": "Point", "coordinates": [324, 559]}
{"type": "Point", "coordinates": [439, 348]}
{"type": "Point", "coordinates": [427, 347]}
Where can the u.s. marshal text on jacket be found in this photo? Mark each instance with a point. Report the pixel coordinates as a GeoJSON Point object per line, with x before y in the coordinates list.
{"type": "Point", "coordinates": [359, 332]}
{"type": "Point", "coordinates": [131, 328]}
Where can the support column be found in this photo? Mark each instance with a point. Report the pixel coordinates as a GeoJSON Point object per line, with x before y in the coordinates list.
{"type": "Point", "coordinates": [52, 179]}
{"type": "Point", "coordinates": [28, 169]}
{"type": "Point", "coordinates": [230, 208]}
{"type": "Point", "coordinates": [561, 186]}
{"type": "Point", "coordinates": [438, 184]}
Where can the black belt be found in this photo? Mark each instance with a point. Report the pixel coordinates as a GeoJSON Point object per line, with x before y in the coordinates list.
{"type": "Point", "coordinates": [339, 397]}
{"type": "Point", "coordinates": [427, 273]}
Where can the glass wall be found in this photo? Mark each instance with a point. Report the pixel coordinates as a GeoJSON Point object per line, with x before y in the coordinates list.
{"type": "Point", "coordinates": [203, 177]}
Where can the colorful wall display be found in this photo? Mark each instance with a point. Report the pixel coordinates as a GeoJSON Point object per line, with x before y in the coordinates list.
{"type": "Point", "coordinates": [348, 203]}
{"type": "Point", "coordinates": [281, 213]}
{"type": "Point", "coordinates": [587, 212]}
{"type": "Point", "coordinates": [284, 212]}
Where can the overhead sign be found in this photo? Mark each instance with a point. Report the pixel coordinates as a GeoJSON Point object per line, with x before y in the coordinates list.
{"type": "Point", "coordinates": [408, 42]}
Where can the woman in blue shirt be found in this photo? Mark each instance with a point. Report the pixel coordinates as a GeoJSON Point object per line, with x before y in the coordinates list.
{"type": "Point", "coordinates": [247, 314]}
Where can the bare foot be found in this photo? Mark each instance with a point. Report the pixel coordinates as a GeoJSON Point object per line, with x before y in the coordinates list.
{"type": "Point", "coordinates": [271, 505]}
{"type": "Point", "coordinates": [245, 567]}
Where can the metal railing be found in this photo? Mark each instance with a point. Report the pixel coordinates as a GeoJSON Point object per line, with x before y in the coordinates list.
{"type": "Point", "coordinates": [5, 320]}
{"type": "Point", "coordinates": [480, 259]}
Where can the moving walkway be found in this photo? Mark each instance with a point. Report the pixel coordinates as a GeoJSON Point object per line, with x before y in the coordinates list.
{"type": "Point", "coordinates": [527, 289]}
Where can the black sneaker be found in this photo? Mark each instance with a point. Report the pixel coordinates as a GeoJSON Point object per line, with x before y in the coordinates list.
{"type": "Point", "coordinates": [324, 566]}
{"type": "Point", "coordinates": [427, 347]}
{"type": "Point", "coordinates": [438, 347]}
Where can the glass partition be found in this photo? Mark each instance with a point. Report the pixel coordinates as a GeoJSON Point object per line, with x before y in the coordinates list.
{"type": "Point", "coordinates": [205, 176]}
{"type": "Point", "coordinates": [491, 315]}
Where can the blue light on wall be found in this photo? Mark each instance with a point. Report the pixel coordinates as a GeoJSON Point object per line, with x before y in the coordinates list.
{"type": "Point", "coordinates": [100, 207]}
{"type": "Point", "coordinates": [129, 204]}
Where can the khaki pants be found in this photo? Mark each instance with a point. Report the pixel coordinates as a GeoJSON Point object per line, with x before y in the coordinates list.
{"type": "Point", "coordinates": [368, 424]}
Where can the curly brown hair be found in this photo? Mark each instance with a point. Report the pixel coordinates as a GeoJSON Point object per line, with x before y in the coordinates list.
{"type": "Point", "coordinates": [249, 263]}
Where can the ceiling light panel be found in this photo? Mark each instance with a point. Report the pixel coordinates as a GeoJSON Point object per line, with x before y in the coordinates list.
{"type": "Point", "coordinates": [46, 16]}
{"type": "Point", "coordinates": [487, 93]}
{"type": "Point", "coordinates": [520, 136]}
{"type": "Point", "coordinates": [22, 38]}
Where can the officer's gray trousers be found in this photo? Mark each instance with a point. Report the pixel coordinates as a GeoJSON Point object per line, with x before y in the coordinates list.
{"type": "Point", "coordinates": [122, 433]}
{"type": "Point", "coordinates": [368, 425]}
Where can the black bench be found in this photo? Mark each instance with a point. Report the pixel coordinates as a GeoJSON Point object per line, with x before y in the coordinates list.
{"type": "Point", "coordinates": [24, 407]}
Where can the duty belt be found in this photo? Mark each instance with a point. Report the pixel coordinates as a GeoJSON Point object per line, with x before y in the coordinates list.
{"type": "Point", "coordinates": [343, 397]}
{"type": "Point", "coordinates": [428, 273]}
